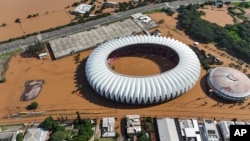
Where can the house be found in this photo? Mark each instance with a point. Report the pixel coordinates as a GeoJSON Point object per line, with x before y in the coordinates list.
{"type": "Point", "coordinates": [190, 130]}
{"type": "Point", "coordinates": [210, 130]}
{"type": "Point", "coordinates": [133, 124]}
{"type": "Point", "coordinates": [108, 124]}
{"type": "Point", "coordinates": [224, 128]}
{"type": "Point", "coordinates": [83, 8]}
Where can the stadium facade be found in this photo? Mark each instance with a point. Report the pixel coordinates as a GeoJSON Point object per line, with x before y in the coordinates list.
{"type": "Point", "coordinates": [167, 85]}
{"type": "Point", "coordinates": [229, 84]}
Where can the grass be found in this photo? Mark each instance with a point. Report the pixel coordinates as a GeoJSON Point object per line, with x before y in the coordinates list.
{"type": "Point", "coordinates": [234, 35]}
{"type": "Point", "coordinates": [237, 4]}
{"type": "Point", "coordinates": [4, 59]}
{"type": "Point", "coordinates": [106, 139]}
{"type": "Point", "coordinates": [5, 127]}
{"type": "Point", "coordinates": [154, 11]}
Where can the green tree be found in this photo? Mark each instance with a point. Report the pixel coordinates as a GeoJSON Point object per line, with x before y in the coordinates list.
{"type": "Point", "coordinates": [32, 106]}
{"type": "Point", "coordinates": [19, 137]}
{"type": "Point", "coordinates": [34, 50]}
{"type": "Point", "coordinates": [142, 136]}
{"type": "Point", "coordinates": [50, 124]}
{"type": "Point", "coordinates": [17, 20]}
{"type": "Point", "coordinates": [58, 136]}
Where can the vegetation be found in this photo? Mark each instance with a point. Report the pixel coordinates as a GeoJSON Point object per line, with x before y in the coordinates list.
{"type": "Point", "coordinates": [35, 50]}
{"type": "Point", "coordinates": [58, 136]}
{"type": "Point", "coordinates": [168, 11]}
{"type": "Point", "coordinates": [234, 38]}
{"type": "Point", "coordinates": [2, 79]}
{"type": "Point", "coordinates": [3, 25]}
{"type": "Point", "coordinates": [17, 20]}
{"type": "Point", "coordinates": [32, 106]}
{"type": "Point", "coordinates": [142, 136]}
{"type": "Point", "coordinates": [19, 137]}
{"type": "Point", "coordinates": [51, 125]}
{"type": "Point", "coordinates": [32, 16]}
{"type": "Point", "coordinates": [242, 4]}
{"type": "Point", "coordinates": [84, 127]}
{"type": "Point", "coordinates": [75, 4]}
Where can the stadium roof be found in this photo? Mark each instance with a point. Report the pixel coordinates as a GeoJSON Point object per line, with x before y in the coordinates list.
{"type": "Point", "coordinates": [142, 89]}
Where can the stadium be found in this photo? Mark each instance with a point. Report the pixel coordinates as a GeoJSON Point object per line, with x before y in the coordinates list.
{"type": "Point", "coordinates": [180, 74]}
{"type": "Point", "coordinates": [229, 84]}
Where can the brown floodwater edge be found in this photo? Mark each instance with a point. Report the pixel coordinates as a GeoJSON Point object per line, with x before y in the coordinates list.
{"type": "Point", "coordinates": [50, 14]}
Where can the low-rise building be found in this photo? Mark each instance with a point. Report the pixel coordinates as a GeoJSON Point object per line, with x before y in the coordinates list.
{"type": "Point", "coordinates": [190, 130]}
{"type": "Point", "coordinates": [133, 124]}
{"type": "Point", "coordinates": [211, 131]}
{"type": "Point", "coordinates": [224, 128]}
{"type": "Point", "coordinates": [7, 135]}
{"type": "Point", "coordinates": [108, 124]}
{"type": "Point", "coordinates": [83, 8]}
{"type": "Point", "coordinates": [35, 134]}
{"type": "Point", "coordinates": [167, 129]}
{"type": "Point", "coordinates": [239, 123]}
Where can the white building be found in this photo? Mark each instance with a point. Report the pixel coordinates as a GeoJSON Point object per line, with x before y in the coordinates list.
{"type": "Point", "coordinates": [108, 124]}
{"type": "Point", "coordinates": [224, 128]}
{"type": "Point", "coordinates": [211, 131]}
{"type": "Point", "coordinates": [239, 123]}
{"type": "Point", "coordinates": [144, 89]}
{"type": "Point", "coordinates": [133, 124]}
{"type": "Point", "coordinates": [35, 134]}
{"type": "Point", "coordinates": [167, 129]}
{"type": "Point", "coordinates": [190, 129]}
{"type": "Point", "coordinates": [83, 8]}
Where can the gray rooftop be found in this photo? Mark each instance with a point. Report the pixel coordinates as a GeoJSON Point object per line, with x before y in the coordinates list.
{"type": "Point", "coordinates": [167, 129]}
{"type": "Point", "coordinates": [91, 38]}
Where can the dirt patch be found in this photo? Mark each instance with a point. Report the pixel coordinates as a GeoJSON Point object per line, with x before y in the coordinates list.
{"type": "Point", "coordinates": [219, 16]}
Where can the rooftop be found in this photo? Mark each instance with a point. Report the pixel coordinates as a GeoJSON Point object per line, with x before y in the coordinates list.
{"type": "Point", "coordinates": [83, 8]}
{"type": "Point", "coordinates": [35, 134]}
{"type": "Point", "coordinates": [211, 130]}
{"type": "Point", "coordinates": [108, 124]}
{"type": "Point", "coordinates": [190, 129]}
{"type": "Point", "coordinates": [167, 129]}
{"type": "Point", "coordinates": [230, 81]}
{"type": "Point", "coordinates": [133, 124]}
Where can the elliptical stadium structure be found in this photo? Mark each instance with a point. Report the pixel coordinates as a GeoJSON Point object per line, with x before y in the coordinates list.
{"type": "Point", "coordinates": [149, 89]}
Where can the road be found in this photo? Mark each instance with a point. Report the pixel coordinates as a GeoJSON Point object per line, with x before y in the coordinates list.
{"type": "Point", "coordinates": [23, 43]}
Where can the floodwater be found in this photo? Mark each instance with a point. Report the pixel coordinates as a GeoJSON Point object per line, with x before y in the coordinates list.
{"type": "Point", "coordinates": [50, 14]}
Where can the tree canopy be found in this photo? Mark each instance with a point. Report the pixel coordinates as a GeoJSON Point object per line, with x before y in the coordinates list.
{"type": "Point", "coordinates": [34, 50]}
{"type": "Point", "coordinates": [84, 127]}
{"type": "Point", "coordinates": [234, 38]}
{"type": "Point", "coordinates": [32, 106]}
{"type": "Point", "coordinates": [58, 136]}
{"type": "Point", "coordinates": [19, 137]}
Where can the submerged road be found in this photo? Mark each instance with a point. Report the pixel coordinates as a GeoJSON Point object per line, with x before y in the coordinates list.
{"type": "Point", "coordinates": [23, 43]}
